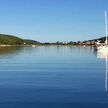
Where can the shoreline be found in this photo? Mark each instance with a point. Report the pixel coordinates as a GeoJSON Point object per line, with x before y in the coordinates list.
{"type": "Point", "coordinates": [43, 45]}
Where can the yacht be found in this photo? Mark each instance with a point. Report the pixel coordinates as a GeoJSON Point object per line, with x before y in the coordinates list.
{"type": "Point", "coordinates": [104, 47]}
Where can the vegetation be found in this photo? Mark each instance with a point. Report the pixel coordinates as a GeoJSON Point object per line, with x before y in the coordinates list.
{"type": "Point", "coordinates": [92, 42]}
{"type": "Point", "coordinates": [13, 40]}
{"type": "Point", "coordinates": [30, 42]}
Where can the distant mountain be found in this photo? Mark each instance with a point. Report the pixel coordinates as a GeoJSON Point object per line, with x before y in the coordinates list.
{"type": "Point", "coordinates": [14, 40]}
{"type": "Point", "coordinates": [101, 39]}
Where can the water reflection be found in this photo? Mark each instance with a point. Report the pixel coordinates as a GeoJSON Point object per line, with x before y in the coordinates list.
{"type": "Point", "coordinates": [4, 51]}
{"type": "Point", "coordinates": [14, 50]}
{"type": "Point", "coordinates": [104, 55]}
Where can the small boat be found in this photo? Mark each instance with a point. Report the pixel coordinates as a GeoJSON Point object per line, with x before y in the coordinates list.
{"type": "Point", "coordinates": [33, 45]}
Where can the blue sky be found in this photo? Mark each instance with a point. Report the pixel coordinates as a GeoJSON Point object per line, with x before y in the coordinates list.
{"type": "Point", "coordinates": [53, 20]}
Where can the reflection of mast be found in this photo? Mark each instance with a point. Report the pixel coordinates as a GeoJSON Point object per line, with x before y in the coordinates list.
{"type": "Point", "coordinates": [104, 55]}
{"type": "Point", "coordinates": [106, 74]}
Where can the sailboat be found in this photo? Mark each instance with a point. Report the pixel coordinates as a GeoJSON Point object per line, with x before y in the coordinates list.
{"type": "Point", "coordinates": [104, 48]}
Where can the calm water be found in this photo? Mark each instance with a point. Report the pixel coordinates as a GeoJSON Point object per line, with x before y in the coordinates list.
{"type": "Point", "coordinates": [52, 77]}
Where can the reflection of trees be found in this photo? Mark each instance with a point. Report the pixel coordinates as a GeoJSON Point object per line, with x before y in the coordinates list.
{"type": "Point", "coordinates": [15, 50]}
{"type": "Point", "coordinates": [5, 51]}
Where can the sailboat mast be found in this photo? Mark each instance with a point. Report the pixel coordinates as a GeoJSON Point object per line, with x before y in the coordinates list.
{"type": "Point", "coordinates": [106, 41]}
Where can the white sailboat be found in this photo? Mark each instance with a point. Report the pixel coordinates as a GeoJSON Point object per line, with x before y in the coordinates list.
{"type": "Point", "coordinates": [104, 48]}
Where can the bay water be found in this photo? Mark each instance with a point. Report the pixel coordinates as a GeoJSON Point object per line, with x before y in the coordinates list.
{"type": "Point", "coordinates": [52, 77]}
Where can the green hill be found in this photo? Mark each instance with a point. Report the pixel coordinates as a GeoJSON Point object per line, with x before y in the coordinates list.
{"type": "Point", "coordinates": [13, 40]}
{"type": "Point", "coordinates": [28, 41]}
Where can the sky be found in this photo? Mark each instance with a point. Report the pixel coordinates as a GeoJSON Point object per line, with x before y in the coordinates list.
{"type": "Point", "coordinates": [53, 20]}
